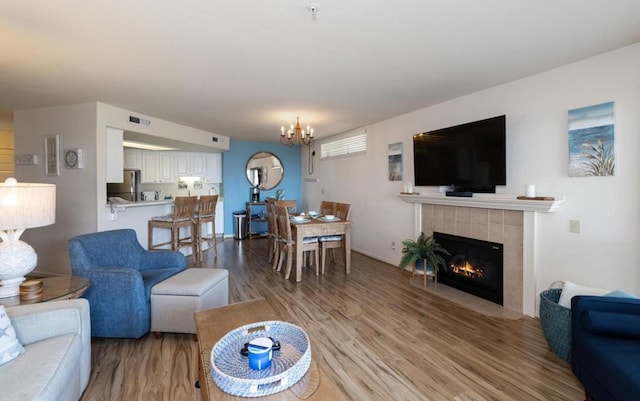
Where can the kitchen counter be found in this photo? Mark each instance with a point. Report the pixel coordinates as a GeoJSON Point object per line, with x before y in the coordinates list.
{"type": "Point", "coordinates": [141, 203]}
{"type": "Point", "coordinates": [136, 215]}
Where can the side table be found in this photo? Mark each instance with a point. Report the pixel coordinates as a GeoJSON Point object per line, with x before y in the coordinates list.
{"type": "Point", "coordinates": [54, 288]}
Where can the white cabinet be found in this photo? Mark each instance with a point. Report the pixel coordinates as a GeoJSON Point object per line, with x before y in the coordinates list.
{"type": "Point", "coordinates": [197, 164]}
{"type": "Point", "coordinates": [149, 168]}
{"type": "Point", "coordinates": [181, 164]}
{"type": "Point", "coordinates": [165, 167]}
{"type": "Point", "coordinates": [219, 218]}
{"type": "Point", "coordinates": [213, 168]}
{"type": "Point", "coordinates": [132, 158]}
{"type": "Point", "coordinates": [189, 164]}
{"type": "Point", "coordinates": [113, 142]}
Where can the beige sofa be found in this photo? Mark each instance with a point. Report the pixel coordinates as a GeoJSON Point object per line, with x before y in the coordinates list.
{"type": "Point", "coordinates": [56, 363]}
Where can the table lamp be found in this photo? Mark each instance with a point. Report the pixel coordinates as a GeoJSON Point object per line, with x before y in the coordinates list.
{"type": "Point", "coordinates": [22, 206]}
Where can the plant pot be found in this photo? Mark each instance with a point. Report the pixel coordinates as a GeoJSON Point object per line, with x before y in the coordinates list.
{"type": "Point", "coordinates": [420, 267]}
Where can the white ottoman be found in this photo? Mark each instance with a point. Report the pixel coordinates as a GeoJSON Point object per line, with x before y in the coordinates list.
{"type": "Point", "coordinates": [176, 299]}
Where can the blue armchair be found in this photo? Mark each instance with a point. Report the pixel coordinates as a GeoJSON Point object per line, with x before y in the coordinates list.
{"type": "Point", "coordinates": [605, 341]}
{"type": "Point", "coordinates": [121, 275]}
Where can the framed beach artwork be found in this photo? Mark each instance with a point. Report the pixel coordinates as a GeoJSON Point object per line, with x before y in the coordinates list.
{"type": "Point", "coordinates": [395, 161]}
{"type": "Point", "coordinates": [591, 141]}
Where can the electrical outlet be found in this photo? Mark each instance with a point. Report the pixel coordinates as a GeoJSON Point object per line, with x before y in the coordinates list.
{"type": "Point", "coordinates": [575, 226]}
{"type": "Point", "coordinates": [393, 245]}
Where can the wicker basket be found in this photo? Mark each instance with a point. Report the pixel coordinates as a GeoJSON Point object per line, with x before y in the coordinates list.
{"type": "Point", "coordinates": [556, 323]}
{"type": "Point", "coordinates": [231, 372]}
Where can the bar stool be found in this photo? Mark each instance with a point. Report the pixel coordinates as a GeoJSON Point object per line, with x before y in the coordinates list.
{"type": "Point", "coordinates": [183, 210]}
{"type": "Point", "coordinates": [205, 214]}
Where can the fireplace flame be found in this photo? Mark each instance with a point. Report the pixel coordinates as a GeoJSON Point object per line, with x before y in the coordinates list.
{"type": "Point", "coordinates": [466, 269]}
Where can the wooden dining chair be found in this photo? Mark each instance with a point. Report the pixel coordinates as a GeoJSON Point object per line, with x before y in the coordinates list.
{"type": "Point", "coordinates": [206, 214]}
{"type": "Point", "coordinates": [286, 242]}
{"type": "Point", "coordinates": [272, 234]}
{"type": "Point", "coordinates": [331, 242]}
{"type": "Point", "coordinates": [183, 210]}
{"type": "Point", "coordinates": [327, 207]}
{"type": "Point", "coordinates": [291, 205]}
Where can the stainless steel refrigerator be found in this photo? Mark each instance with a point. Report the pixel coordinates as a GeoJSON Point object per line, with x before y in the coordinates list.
{"type": "Point", "coordinates": [128, 189]}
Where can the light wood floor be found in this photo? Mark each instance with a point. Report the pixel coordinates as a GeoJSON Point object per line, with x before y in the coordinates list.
{"type": "Point", "coordinates": [376, 335]}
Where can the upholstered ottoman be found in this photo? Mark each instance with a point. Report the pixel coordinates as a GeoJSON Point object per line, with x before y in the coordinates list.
{"type": "Point", "coordinates": [176, 299]}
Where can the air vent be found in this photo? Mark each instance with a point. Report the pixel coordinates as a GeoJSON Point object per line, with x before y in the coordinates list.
{"type": "Point", "coordinates": [138, 120]}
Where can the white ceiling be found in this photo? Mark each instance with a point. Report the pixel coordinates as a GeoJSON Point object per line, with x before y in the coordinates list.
{"type": "Point", "coordinates": [244, 68]}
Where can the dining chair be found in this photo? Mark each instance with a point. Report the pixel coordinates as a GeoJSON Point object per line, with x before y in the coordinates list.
{"type": "Point", "coordinates": [327, 207]}
{"type": "Point", "coordinates": [331, 242]}
{"type": "Point", "coordinates": [272, 234]}
{"type": "Point", "coordinates": [286, 242]}
{"type": "Point", "coordinates": [291, 205]}
{"type": "Point", "coordinates": [183, 210]}
{"type": "Point", "coordinates": [205, 215]}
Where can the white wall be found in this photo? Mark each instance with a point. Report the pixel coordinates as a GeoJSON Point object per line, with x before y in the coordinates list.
{"type": "Point", "coordinates": [604, 255]}
{"type": "Point", "coordinates": [75, 189]}
{"type": "Point", "coordinates": [81, 193]}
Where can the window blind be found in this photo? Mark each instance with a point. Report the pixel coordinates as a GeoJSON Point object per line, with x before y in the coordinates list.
{"type": "Point", "coordinates": [353, 145]}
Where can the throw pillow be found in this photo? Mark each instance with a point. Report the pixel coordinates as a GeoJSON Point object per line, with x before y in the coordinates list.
{"type": "Point", "coordinates": [10, 347]}
{"type": "Point", "coordinates": [619, 294]}
{"type": "Point", "coordinates": [570, 290]}
{"type": "Point", "coordinates": [612, 324]}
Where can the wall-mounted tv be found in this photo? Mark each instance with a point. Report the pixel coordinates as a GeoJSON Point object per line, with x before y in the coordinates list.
{"type": "Point", "coordinates": [470, 157]}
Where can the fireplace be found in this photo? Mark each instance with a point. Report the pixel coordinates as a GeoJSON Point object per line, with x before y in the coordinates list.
{"type": "Point", "coordinates": [474, 266]}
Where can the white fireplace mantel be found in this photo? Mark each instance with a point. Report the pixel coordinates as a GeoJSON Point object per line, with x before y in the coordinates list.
{"type": "Point", "coordinates": [487, 201]}
{"type": "Point", "coordinates": [502, 202]}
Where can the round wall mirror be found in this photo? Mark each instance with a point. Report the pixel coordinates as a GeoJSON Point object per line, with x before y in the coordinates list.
{"type": "Point", "coordinates": [264, 170]}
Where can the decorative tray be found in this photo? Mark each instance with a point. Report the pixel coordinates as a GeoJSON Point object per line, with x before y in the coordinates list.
{"type": "Point", "coordinates": [230, 369]}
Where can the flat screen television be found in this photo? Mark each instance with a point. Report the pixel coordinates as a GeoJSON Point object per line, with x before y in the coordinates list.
{"type": "Point", "coordinates": [469, 157]}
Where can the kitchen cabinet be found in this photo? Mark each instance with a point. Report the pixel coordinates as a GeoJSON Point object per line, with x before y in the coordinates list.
{"type": "Point", "coordinates": [189, 164]}
{"type": "Point", "coordinates": [197, 164]}
{"type": "Point", "coordinates": [213, 168]}
{"type": "Point", "coordinates": [181, 164]}
{"type": "Point", "coordinates": [132, 159]}
{"type": "Point", "coordinates": [149, 167]}
{"type": "Point", "coordinates": [113, 152]}
{"type": "Point", "coordinates": [220, 219]}
{"type": "Point", "coordinates": [165, 167]}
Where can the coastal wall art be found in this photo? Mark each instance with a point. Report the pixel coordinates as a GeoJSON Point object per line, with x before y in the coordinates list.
{"type": "Point", "coordinates": [591, 141]}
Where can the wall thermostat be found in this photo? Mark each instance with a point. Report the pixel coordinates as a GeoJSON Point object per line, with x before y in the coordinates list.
{"type": "Point", "coordinates": [74, 158]}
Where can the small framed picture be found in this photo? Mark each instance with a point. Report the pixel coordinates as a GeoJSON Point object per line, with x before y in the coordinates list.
{"type": "Point", "coordinates": [52, 155]}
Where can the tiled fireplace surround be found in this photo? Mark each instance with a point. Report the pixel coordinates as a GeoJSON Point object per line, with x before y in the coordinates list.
{"type": "Point", "coordinates": [496, 218]}
{"type": "Point", "coordinates": [495, 225]}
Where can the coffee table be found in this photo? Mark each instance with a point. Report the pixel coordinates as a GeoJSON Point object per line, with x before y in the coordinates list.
{"type": "Point", "coordinates": [213, 324]}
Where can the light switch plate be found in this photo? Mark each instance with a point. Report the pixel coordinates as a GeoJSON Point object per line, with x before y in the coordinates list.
{"type": "Point", "coordinates": [575, 226]}
{"type": "Point", "coordinates": [26, 160]}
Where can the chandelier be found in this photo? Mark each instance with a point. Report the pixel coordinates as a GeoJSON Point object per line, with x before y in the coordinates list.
{"type": "Point", "coordinates": [295, 135]}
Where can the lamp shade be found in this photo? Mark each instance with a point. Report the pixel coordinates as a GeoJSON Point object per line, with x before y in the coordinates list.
{"type": "Point", "coordinates": [26, 205]}
{"type": "Point", "coordinates": [22, 206]}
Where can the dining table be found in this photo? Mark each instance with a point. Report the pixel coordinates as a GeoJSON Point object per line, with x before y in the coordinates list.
{"type": "Point", "coordinates": [321, 226]}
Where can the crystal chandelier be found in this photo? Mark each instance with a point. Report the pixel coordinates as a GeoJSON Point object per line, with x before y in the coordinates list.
{"type": "Point", "coordinates": [295, 135]}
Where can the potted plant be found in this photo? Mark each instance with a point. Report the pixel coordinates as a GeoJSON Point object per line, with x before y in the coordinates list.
{"type": "Point", "coordinates": [423, 248]}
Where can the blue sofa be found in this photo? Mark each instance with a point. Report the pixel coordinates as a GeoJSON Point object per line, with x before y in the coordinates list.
{"type": "Point", "coordinates": [605, 340]}
{"type": "Point", "coordinates": [121, 274]}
